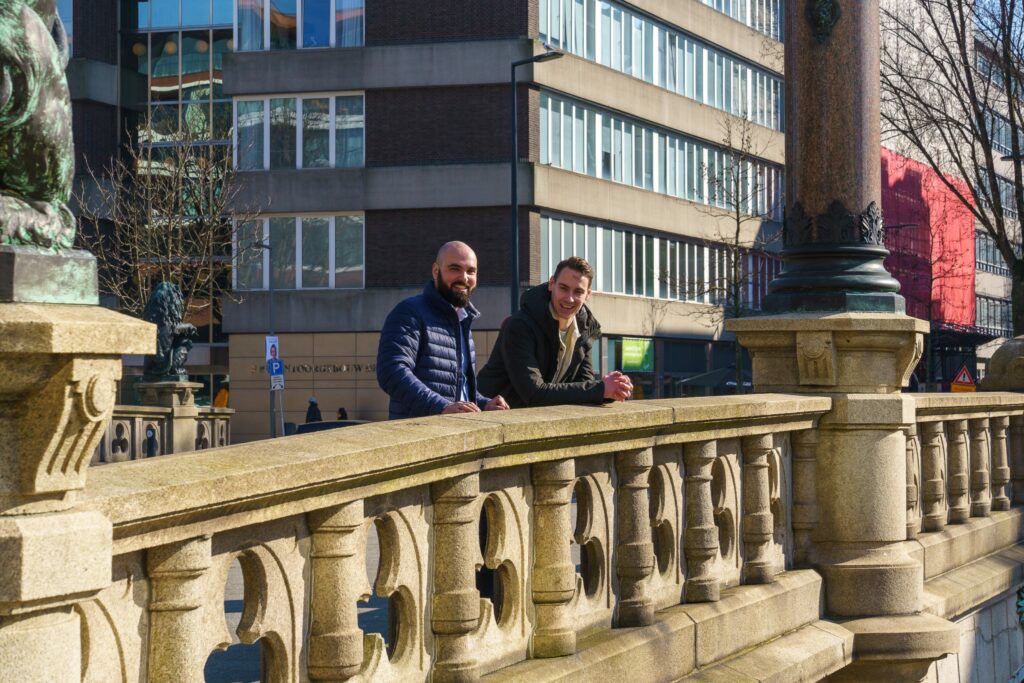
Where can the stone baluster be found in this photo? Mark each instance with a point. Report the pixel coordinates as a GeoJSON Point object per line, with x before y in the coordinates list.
{"type": "Point", "coordinates": [805, 511]}
{"type": "Point", "coordinates": [757, 515]}
{"type": "Point", "coordinates": [1017, 457]}
{"type": "Point", "coordinates": [554, 575]}
{"type": "Point", "coordinates": [933, 435]}
{"type": "Point", "coordinates": [177, 572]}
{"type": "Point", "coordinates": [701, 538]}
{"type": "Point", "coordinates": [956, 472]}
{"type": "Point", "coordinates": [635, 551]}
{"type": "Point", "coordinates": [981, 503]}
{"type": "Point", "coordinates": [455, 607]}
{"type": "Point", "coordinates": [1000, 463]}
{"type": "Point", "coordinates": [913, 481]}
{"type": "Point", "coordinates": [335, 639]}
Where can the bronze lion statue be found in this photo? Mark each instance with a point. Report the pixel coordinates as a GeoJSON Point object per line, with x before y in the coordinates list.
{"type": "Point", "coordinates": [173, 337]}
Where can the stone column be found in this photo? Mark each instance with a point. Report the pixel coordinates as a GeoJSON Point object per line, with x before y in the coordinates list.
{"type": "Point", "coordinates": [913, 479]}
{"type": "Point", "coordinates": [956, 472]}
{"type": "Point", "coordinates": [1000, 466]}
{"type": "Point", "coordinates": [335, 639]}
{"type": "Point", "coordinates": [180, 398]}
{"type": "Point", "coordinates": [1017, 457]}
{"type": "Point", "coordinates": [177, 578]}
{"type": "Point", "coordinates": [701, 536]}
{"type": "Point", "coordinates": [554, 575]}
{"type": "Point", "coordinates": [635, 551]}
{"type": "Point", "coordinates": [981, 503]}
{"type": "Point", "coordinates": [455, 605]}
{"type": "Point", "coordinates": [757, 521]}
{"type": "Point", "coordinates": [933, 463]}
{"type": "Point", "coordinates": [805, 512]}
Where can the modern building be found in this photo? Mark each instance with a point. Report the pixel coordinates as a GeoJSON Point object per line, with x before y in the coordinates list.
{"type": "Point", "coordinates": [370, 135]}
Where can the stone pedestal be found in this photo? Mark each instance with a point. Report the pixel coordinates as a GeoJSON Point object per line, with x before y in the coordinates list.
{"type": "Point", "coordinates": [58, 368]}
{"type": "Point", "coordinates": [180, 398]}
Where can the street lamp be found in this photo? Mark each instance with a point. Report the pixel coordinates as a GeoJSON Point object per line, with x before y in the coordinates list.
{"type": "Point", "coordinates": [545, 56]}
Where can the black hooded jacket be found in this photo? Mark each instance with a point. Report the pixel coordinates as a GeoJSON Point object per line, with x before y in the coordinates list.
{"type": "Point", "coordinates": [524, 360]}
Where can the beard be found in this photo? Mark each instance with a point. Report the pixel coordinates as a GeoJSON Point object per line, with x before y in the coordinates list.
{"type": "Point", "coordinates": [457, 298]}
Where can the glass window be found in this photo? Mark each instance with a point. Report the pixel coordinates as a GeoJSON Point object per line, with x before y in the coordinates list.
{"type": "Point", "coordinates": [221, 45]}
{"type": "Point", "coordinates": [250, 25]}
{"type": "Point", "coordinates": [348, 251]}
{"type": "Point", "coordinates": [195, 12]}
{"type": "Point", "coordinates": [282, 253]}
{"type": "Point", "coordinates": [315, 252]}
{"type": "Point", "coordinates": [163, 83]}
{"type": "Point", "coordinates": [250, 134]}
{"type": "Point", "coordinates": [316, 132]}
{"type": "Point", "coordinates": [283, 18]}
{"type": "Point", "coordinates": [136, 14]}
{"type": "Point", "coordinates": [222, 121]}
{"type": "Point", "coordinates": [195, 81]}
{"type": "Point", "coordinates": [163, 122]}
{"type": "Point", "coordinates": [222, 12]}
{"type": "Point", "coordinates": [316, 23]}
{"type": "Point", "coordinates": [348, 131]}
{"type": "Point", "coordinates": [282, 132]}
{"type": "Point", "coordinates": [249, 255]}
{"type": "Point", "coordinates": [349, 23]}
{"type": "Point", "coordinates": [164, 14]}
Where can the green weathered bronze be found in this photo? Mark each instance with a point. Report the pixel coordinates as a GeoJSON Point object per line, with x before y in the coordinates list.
{"type": "Point", "coordinates": [36, 147]}
{"type": "Point", "coordinates": [165, 309]}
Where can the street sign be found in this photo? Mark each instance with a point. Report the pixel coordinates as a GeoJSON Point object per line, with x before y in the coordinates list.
{"type": "Point", "coordinates": [275, 366]}
{"type": "Point", "coordinates": [963, 382]}
{"type": "Point", "coordinates": [277, 382]}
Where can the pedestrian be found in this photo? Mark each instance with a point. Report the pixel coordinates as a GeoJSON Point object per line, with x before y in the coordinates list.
{"type": "Point", "coordinates": [542, 356]}
{"type": "Point", "coordinates": [313, 411]}
{"type": "Point", "coordinates": [426, 361]}
{"type": "Point", "coordinates": [342, 414]}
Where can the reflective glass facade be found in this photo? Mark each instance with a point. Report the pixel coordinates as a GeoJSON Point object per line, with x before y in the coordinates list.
{"type": "Point", "coordinates": [291, 24]}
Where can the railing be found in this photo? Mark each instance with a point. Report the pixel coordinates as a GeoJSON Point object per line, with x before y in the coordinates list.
{"type": "Point", "coordinates": [137, 432]}
{"type": "Point", "coordinates": [674, 500]}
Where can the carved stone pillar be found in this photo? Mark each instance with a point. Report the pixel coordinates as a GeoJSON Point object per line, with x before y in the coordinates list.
{"type": "Point", "coordinates": [805, 513]}
{"type": "Point", "coordinates": [956, 472]}
{"type": "Point", "coordinates": [455, 606]}
{"type": "Point", "coordinates": [701, 537]}
{"type": "Point", "coordinates": [177, 576]}
{"type": "Point", "coordinates": [1017, 457]}
{"type": "Point", "coordinates": [981, 501]}
{"type": "Point", "coordinates": [913, 479]}
{"type": "Point", "coordinates": [180, 398]}
{"type": "Point", "coordinates": [554, 575]}
{"type": "Point", "coordinates": [757, 521]}
{"type": "Point", "coordinates": [1000, 466]}
{"type": "Point", "coordinates": [335, 639]}
{"type": "Point", "coordinates": [933, 464]}
{"type": "Point", "coordinates": [635, 551]}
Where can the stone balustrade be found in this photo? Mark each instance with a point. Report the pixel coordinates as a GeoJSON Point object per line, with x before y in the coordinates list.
{"type": "Point", "coordinates": [137, 432]}
{"type": "Point", "coordinates": [676, 501]}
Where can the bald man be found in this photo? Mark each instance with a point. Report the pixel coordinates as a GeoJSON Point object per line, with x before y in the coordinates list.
{"type": "Point", "coordinates": [426, 362]}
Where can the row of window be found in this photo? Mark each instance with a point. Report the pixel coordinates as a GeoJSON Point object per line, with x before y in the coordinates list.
{"type": "Point", "coordinates": [306, 131]}
{"type": "Point", "coordinates": [627, 262]}
{"type": "Point", "coordinates": [306, 252]}
{"type": "Point", "coordinates": [764, 16]}
{"type": "Point", "coordinates": [158, 14]}
{"type": "Point", "coordinates": [1005, 188]}
{"type": "Point", "coordinates": [624, 40]}
{"type": "Point", "coordinates": [290, 24]}
{"type": "Point", "coordinates": [994, 314]}
{"type": "Point", "coordinates": [582, 138]}
{"type": "Point", "coordinates": [987, 256]}
{"type": "Point", "coordinates": [1001, 132]}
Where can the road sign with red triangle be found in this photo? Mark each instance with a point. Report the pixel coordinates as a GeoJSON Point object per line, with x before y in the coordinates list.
{"type": "Point", "coordinates": [963, 382]}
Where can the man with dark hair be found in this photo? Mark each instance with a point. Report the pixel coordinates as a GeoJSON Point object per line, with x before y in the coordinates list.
{"type": "Point", "coordinates": [426, 361]}
{"type": "Point", "coordinates": [542, 356]}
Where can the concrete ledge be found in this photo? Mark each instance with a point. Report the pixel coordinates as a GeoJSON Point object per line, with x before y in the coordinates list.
{"type": "Point", "coordinates": [961, 590]}
{"type": "Point", "coordinates": [685, 635]}
{"type": "Point", "coordinates": [960, 544]}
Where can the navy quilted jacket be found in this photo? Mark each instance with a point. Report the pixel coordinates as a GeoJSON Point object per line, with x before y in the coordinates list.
{"type": "Point", "coordinates": [419, 364]}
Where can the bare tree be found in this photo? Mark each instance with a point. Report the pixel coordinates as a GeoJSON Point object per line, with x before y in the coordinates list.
{"type": "Point", "coordinates": [951, 97]}
{"type": "Point", "coordinates": [163, 213]}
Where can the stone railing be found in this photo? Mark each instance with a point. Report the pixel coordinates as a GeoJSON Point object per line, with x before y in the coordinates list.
{"type": "Point", "coordinates": [137, 432]}
{"type": "Point", "coordinates": [675, 501]}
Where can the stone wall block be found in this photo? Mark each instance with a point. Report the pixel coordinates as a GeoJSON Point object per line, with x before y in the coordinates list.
{"type": "Point", "coordinates": [957, 476]}
{"type": "Point", "coordinates": [455, 605]}
{"type": "Point", "coordinates": [981, 502]}
{"type": "Point", "coordinates": [554, 574]}
{"type": "Point", "coordinates": [635, 550]}
{"type": "Point", "coordinates": [335, 639]}
{"type": "Point", "coordinates": [933, 465]}
{"type": "Point", "coordinates": [1000, 463]}
{"type": "Point", "coordinates": [701, 536]}
{"type": "Point", "coordinates": [757, 517]}
{"type": "Point", "coordinates": [805, 512]}
{"type": "Point", "coordinates": [1017, 457]}
{"type": "Point", "coordinates": [913, 482]}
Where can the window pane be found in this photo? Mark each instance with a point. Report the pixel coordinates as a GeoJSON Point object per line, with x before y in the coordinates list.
{"type": "Point", "coordinates": [316, 23]}
{"type": "Point", "coordinates": [164, 13]}
{"type": "Point", "coordinates": [195, 13]}
{"type": "Point", "coordinates": [249, 255]}
{"type": "Point", "coordinates": [136, 14]}
{"type": "Point", "coordinates": [164, 82]}
{"type": "Point", "coordinates": [250, 134]}
{"type": "Point", "coordinates": [315, 252]}
{"type": "Point", "coordinates": [282, 24]}
{"type": "Point", "coordinates": [164, 122]}
{"type": "Point", "coordinates": [348, 131]}
{"type": "Point", "coordinates": [195, 82]}
{"type": "Point", "coordinates": [348, 251]}
{"type": "Point", "coordinates": [221, 43]}
{"type": "Point", "coordinates": [316, 133]}
{"type": "Point", "coordinates": [349, 23]}
{"type": "Point", "coordinates": [222, 12]}
{"type": "Point", "coordinates": [222, 122]}
{"type": "Point", "coordinates": [282, 132]}
{"type": "Point", "coordinates": [250, 24]}
{"type": "Point", "coordinates": [282, 253]}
